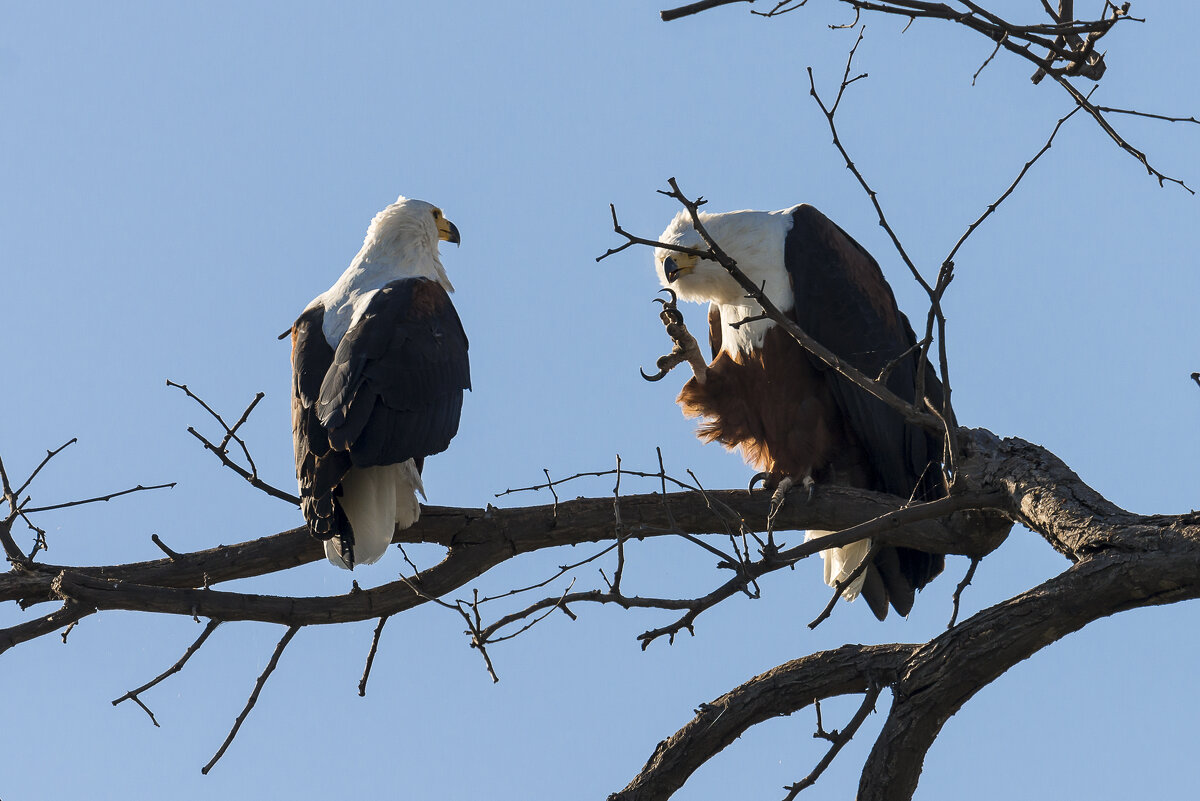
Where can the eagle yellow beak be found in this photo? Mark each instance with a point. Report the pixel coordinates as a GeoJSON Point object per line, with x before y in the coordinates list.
{"type": "Point", "coordinates": [678, 265]}
{"type": "Point", "coordinates": [447, 231]}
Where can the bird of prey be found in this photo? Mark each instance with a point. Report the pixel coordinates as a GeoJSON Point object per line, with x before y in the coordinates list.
{"type": "Point", "coordinates": [792, 417]}
{"type": "Point", "coordinates": [379, 365]}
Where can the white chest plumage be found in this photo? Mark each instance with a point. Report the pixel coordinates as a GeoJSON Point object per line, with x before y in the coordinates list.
{"type": "Point", "coordinates": [748, 336]}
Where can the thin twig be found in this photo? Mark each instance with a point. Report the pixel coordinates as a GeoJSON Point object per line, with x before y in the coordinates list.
{"type": "Point", "coordinates": [840, 586]}
{"type": "Point", "coordinates": [1067, 41]}
{"type": "Point", "coordinates": [593, 474]}
{"type": "Point", "coordinates": [49, 455]}
{"type": "Point", "coordinates": [98, 499]}
{"type": "Point", "coordinates": [221, 449]}
{"type": "Point", "coordinates": [132, 695]}
{"type": "Point", "coordinates": [562, 570]}
{"type": "Point", "coordinates": [1110, 110]}
{"type": "Point", "coordinates": [1098, 116]}
{"type": "Point", "coordinates": [988, 60]}
{"type": "Point", "coordinates": [838, 739]}
{"type": "Point", "coordinates": [958, 591]}
{"type": "Point", "coordinates": [485, 633]}
{"type": "Point", "coordinates": [362, 684]}
{"type": "Point", "coordinates": [871, 193]}
{"type": "Point", "coordinates": [258, 685]}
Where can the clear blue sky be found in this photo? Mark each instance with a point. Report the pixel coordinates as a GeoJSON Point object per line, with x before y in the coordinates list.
{"type": "Point", "coordinates": [179, 180]}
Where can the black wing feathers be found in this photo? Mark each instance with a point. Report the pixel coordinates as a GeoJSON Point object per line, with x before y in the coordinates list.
{"type": "Point", "coordinates": [395, 388]}
{"type": "Point", "coordinates": [319, 468]}
{"type": "Point", "coordinates": [844, 302]}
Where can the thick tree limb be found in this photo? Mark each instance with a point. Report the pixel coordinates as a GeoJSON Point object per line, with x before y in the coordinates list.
{"type": "Point", "coordinates": [68, 615]}
{"type": "Point", "coordinates": [517, 530]}
{"type": "Point", "coordinates": [781, 691]}
{"type": "Point", "coordinates": [947, 672]}
{"type": "Point", "coordinates": [1124, 561]}
{"type": "Point", "coordinates": [469, 559]}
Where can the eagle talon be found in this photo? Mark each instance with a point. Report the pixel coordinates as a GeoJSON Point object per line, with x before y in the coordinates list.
{"type": "Point", "coordinates": [684, 347]}
{"type": "Point", "coordinates": [758, 478]}
{"type": "Point", "coordinates": [809, 485]}
{"type": "Point", "coordinates": [780, 495]}
{"type": "Point", "coordinates": [659, 376]}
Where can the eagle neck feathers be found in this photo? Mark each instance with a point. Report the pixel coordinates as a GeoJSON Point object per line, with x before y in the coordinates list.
{"type": "Point", "coordinates": [753, 239]}
{"type": "Point", "coordinates": [396, 246]}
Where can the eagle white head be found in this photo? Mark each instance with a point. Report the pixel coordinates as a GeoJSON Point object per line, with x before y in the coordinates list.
{"type": "Point", "coordinates": [401, 242]}
{"type": "Point", "coordinates": [754, 239]}
{"type": "Point", "coordinates": [406, 235]}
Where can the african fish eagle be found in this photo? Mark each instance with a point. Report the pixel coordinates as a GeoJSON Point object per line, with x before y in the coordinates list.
{"type": "Point", "coordinates": [379, 365]}
{"type": "Point", "coordinates": [792, 417]}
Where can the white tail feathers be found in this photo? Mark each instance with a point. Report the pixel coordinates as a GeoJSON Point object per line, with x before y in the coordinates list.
{"type": "Point", "coordinates": [377, 500]}
{"type": "Point", "coordinates": [841, 562]}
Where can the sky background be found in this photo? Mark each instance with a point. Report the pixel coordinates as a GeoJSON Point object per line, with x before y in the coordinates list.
{"type": "Point", "coordinates": [179, 180]}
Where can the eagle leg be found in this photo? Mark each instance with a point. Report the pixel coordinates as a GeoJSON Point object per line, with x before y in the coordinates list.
{"type": "Point", "coordinates": [779, 496]}
{"type": "Point", "coordinates": [685, 347]}
{"type": "Point", "coordinates": [777, 499]}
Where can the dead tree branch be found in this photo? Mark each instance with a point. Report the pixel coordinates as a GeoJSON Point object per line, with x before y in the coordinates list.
{"type": "Point", "coordinates": [133, 695]}
{"type": "Point", "coordinates": [221, 449]}
{"type": "Point", "coordinates": [1069, 44]}
{"type": "Point", "coordinates": [1121, 561]}
{"type": "Point", "coordinates": [258, 685]}
{"type": "Point", "coordinates": [783, 690]}
{"type": "Point", "coordinates": [837, 740]}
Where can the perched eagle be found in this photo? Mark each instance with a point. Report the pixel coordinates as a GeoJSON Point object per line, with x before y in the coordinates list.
{"type": "Point", "coordinates": [793, 418]}
{"type": "Point", "coordinates": [379, 365]}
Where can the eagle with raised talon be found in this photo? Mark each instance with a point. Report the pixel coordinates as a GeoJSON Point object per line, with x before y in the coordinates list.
{"type": "Point", "coordinates": [379, 365]}
{"type": "Point", "coordinates": [794, 419]}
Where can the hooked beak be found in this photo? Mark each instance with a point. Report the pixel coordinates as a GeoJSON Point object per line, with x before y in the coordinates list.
{"type": "Point", "coordinates": [678, 265]}
{"type": "Point", "coordinates": [448, 231]}
{"type": "Point", "coordinates": [671, 269]}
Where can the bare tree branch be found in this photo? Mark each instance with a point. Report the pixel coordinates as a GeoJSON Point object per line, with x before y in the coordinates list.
{"type": "Point", "coordinates": [258, 685]}
{"type": "Point", "coordinates": [780, 691]}
{"type": "Point", "coordinates": [1123, 561]}
{"type": "Point", "coordinates": [97, 499]}
{"type": "Point", "coordinates": [837, 739]}
{"type": "Point", "coordinates": [1070, 46]}
{"type": "Point", "coordinates": [178, 666]}
{"type": "Point", "coordinates": [69, 614]}
{"type": "Point", "coordinates": [466, 562]}
{"type": "Point", "coordinates": [221, 449]}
